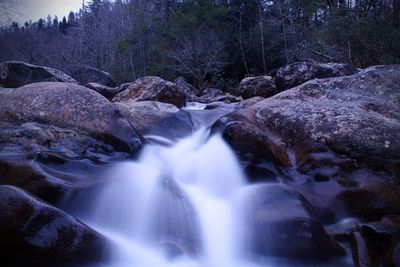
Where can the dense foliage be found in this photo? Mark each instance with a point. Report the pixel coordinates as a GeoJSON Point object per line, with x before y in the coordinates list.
{"type": "Point", "coordinates": [209, 42]}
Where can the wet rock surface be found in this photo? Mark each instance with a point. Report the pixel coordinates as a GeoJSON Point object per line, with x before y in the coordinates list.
{"type": "Point", "coordinates": [281, 223]}
{"type": "Point", "coordinates": [335, 142]}
{"type": "Point", "coordinates": [47, 160]}
{"type": "Point", "coordinates": [157, 118]}
{"type": "Point", "coordinates": [34, 233]}
{"type": "Point", "coordinates": [16, 73]}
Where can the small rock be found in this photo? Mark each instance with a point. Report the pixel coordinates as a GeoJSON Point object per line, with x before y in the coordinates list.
{"type": "Point", "coordinates": [86, 74]}
{"type": "Point", "coordinates": [263, 86]}
{"type": "Point", "coordinates": [210, 95]}
{"type": "Point", "coordinates": [107, 92]}
{"type": "Point", "coordinates": [152, 88]}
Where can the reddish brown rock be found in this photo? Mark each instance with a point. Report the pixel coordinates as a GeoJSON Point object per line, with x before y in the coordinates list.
{"type": "Point", "coordinates": [263, 86]}
{"type": "Point", "coordinates": [152, 88]}
{"type": "Point", "coordinates": [72, 107]}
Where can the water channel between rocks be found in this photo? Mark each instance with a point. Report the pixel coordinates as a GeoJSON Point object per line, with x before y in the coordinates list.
{"type": "Point", "coordinates": [181, 203]}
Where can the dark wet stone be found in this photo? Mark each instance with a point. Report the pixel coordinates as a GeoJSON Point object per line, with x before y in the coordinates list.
{"type": "Point", "coordinates": [46, 160]}
{"type": "Point", "coordinates": [392, 256]}
{"type": "Point", "coordinates": [280, 222]}
{"type": "Point", "coordinates": [250, 142]}
{"type": "Point", "coordinates": [106, 91]}
{"type": "Point", "coordinates": [88, 74]}
{"type": "Point", "coordinates": [367, 203]}
{"type": "Point", "coordinates": [342, 231]}
{"type": "Point", "coordinates": [157, 118]}
{"type": "Point", "coordinates": [365, 253]}
{"type": "Point", "coordinates": [34, 233]}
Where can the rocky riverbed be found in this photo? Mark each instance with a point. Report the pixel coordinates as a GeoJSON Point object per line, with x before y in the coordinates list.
{"type": "Point", "coordinates": [320, 143]}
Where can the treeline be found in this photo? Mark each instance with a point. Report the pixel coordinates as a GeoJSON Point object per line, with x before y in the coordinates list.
{"type": "Point", "coordinates": [209, 42]}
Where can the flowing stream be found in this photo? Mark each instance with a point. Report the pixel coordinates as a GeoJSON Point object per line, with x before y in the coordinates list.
{"type": "Point", "coordinates": [176, 205]}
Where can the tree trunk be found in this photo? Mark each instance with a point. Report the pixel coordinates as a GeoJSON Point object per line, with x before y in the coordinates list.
{"type": "Point", "coordinates": [262, 36]}
{"type": "Point", "coordinates": [396, 13]}
{"type": "Point", "coordinates": [240, 41]}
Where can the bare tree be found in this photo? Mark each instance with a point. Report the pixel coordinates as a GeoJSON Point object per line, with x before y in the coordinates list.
{"type": "Point", "coordinates": [261, 23]}
{"type": "Point", "coordinates": [8, 10]}
{"type": "Point", "coordinates": [199, 55]}
{"type": "Point", "coordinates": [240, 39]}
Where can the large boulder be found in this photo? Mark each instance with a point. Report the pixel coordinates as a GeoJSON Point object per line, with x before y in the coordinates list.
{"type": "Point", "coordinates": [16, 73]}
{"type": "Point", "coordinates": [358, 116]}
{"type": "Point", "coordinates": [263, 86]}
{"type": "Point", "coordinates": [298, 73]}
{"type": "Point", "coordinates": [72, 107]}
{"type": "Point", "coordinates": [333, 122]}
{"type": "Point", "coordinates": [280, 222]}
{"type": "Point", "coordinates": [255, 146]}
{"type": "Point", "coordinates": [339, 134]}
{"type": "Point", "coordinates": [34, 233]}
{"type": "Point", "coordinates": [152, 88]}
{"type": "Point", "coordinates": [157, 118]}
{"type": "Point", "coordinates": [88, 74]}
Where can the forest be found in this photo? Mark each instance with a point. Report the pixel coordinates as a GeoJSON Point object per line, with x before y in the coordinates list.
{"type": "Point", "coordinates": [209, 42]}
{"type": "Point", "coordinates": [200, 133]}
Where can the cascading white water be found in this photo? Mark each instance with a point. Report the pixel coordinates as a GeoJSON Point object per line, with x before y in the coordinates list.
{"type": "Point", "coordinates": [180, 196]}
{"type": "Point", "coordinates": [174, 206]}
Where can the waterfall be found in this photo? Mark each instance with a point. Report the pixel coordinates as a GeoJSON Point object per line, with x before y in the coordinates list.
{"type": "Point", "coordinates": [175, 204]}
{"type": "Point", "coordinates": [186, 203]}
